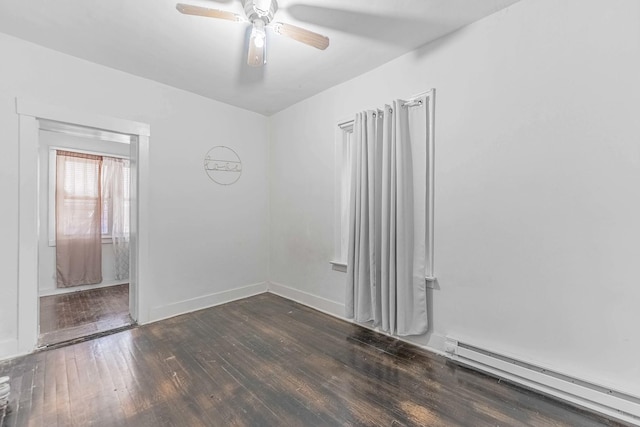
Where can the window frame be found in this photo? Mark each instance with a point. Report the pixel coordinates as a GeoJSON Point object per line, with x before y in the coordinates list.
{"type": "Point", "coordinates": [51, 203]}
{"type": "Point", "coordinates": [343, 138]}
{"type": "Point", "coordinates": [345, 127]}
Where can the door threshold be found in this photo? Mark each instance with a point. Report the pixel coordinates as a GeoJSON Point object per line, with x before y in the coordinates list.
{"type": "Point", "coordinates": [85, 338]}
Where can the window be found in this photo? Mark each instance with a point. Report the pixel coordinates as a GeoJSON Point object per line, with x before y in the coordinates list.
{"type": "Point", "coordinates": [88, 188]}
{"type": "Point", "coordinates": [343, 162]}
{"type": "Point", "coordinates": [115, 173]}
{"type": "Point", "coordinates": [421, 108]}
{"type": "Point", "coordinates": [345, 192]}
{"type": "Point", "coordinates": [80, 192]}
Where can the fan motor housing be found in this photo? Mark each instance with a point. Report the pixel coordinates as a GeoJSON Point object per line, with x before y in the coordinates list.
{"type": "Point", "coordinates": [263, 10]}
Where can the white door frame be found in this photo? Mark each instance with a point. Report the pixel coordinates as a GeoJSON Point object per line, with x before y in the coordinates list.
{"type": "Point", "coordinates": [29, 111]}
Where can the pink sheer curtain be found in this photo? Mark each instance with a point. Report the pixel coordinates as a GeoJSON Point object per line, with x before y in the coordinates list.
{"type": "Point", "coordinates": [78, 213]}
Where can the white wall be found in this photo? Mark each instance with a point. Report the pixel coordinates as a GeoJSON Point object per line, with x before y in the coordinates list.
{"type": "Point", "coordinates": [47, 254]}
{"type": "Point", "coordinates": [206, 239]}
{"type": "Point", "coordinates": [537, 174]}
{"type": "Point", "coordinates": [538, 164]}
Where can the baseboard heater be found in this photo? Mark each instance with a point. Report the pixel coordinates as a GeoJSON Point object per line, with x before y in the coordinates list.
{"type": "Point", "coordinates": [595, 397]}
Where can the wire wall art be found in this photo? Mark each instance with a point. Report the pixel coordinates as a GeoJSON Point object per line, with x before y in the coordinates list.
{"type": "Point", "coordinates": [223, 165]}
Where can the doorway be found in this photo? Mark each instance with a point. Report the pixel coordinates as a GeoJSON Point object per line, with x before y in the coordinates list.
{"type": "Point", "coordinates": [83, 245]}
{"type": "Point", "coordinates": [34, 120]}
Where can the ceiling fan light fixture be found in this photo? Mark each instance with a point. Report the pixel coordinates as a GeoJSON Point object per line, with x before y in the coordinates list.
{"type": "Point", "coordinates": [260, 13]}
{"type": "Point", "coordinates": [257, 55]}
{"type": "Point", "coordinates": [258, 35]}
{"type": "Point", "coordinates": [260, 9]}
{"type": "Point", "coordinates": [262, 5]}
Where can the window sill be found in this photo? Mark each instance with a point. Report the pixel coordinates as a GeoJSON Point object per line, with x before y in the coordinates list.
{"type": "Point", "coordinates": [338, 266]}
{"type": "Point", "coordinates": [342, 266]}
{"type": "Point", "coordinates": [105, 241]}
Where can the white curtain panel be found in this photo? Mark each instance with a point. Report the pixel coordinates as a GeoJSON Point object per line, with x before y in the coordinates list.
{"type": "Point", "coordinates": [386, 260]}
{"type": "Point", "coordinates": [115, 181]}
{"type": "Point", "coordinates": [363, 273]}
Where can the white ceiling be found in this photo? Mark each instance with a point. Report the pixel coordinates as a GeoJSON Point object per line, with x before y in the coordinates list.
{"type": "Point", "coordinates": [149, 38]}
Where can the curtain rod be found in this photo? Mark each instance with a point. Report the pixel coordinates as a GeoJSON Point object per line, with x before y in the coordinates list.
{"type": "Point", "coordinates": [411, 103]}
{"type": "Point", "coordinates": [93, 152]}
{"type": "Point", "coordinates": [346, 123]}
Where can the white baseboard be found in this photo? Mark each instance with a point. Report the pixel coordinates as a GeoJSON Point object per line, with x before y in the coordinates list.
{"type": "Point", "coordinates": [205, 301]}
{"type": "Point", "coordinates": [598, 397]}
{"type": "Point", "coordinates": [59, 291]}
{"type": "Point", "coordinates": [434, 343]}
{"type": "Point", "coordinates": [324, 305]}
{"type": "Point", "coordinates": [9, 349]}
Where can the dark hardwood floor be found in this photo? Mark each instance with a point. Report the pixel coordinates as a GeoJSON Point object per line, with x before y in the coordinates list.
{"type": "Point", "coordinates": [69, 316]}
{"type": "Point", "coordinates": [264, 361]}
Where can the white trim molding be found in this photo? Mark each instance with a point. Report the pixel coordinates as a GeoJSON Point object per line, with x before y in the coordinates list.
{"type": "Point", "coordinates": [432, 342]}
{"type": "Point", "coordinates": [343, 134]}
{"type": "Point", "coordinates": [30, 115]}
{"type": "Point", "coordinates": [586, 393]}
{"type": "Point", "coordinates": [206, 301]}
{"type": "Point", "coordinates": [62, 291]}
{"type": "Point", "coordinates": [28, 235]}
{"type": "Point", "coordinates": [343, 129]}
{"type": "Point", "coordinates": [34, 108]}
{"type": "Point", "coordinates": [324, 305]}
{"type": "Point", "coordinates": [339, 266]}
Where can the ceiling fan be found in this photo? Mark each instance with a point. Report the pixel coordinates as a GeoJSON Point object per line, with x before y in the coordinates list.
{"type": "Point", "coordinates": [260, 14]}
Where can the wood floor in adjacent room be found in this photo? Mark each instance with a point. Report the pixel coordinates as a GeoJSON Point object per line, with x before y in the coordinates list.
{"type": "Point", "coordinates": [73, 315]}
{"type": "Point", "coordinates": [264, 361]}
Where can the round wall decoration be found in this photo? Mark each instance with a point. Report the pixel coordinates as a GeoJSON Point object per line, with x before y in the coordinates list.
{"type": "Point", "coordinates": [223, 165]}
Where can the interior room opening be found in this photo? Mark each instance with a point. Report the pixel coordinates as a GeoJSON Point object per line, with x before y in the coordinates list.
{"type": "Point", "coordinates": [83, 240]}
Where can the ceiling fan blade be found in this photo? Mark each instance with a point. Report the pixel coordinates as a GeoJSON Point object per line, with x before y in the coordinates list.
{"type": "Point", "coordinates": [189, 9]}
{"type": "Point", "coordinates": [300, 34]}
